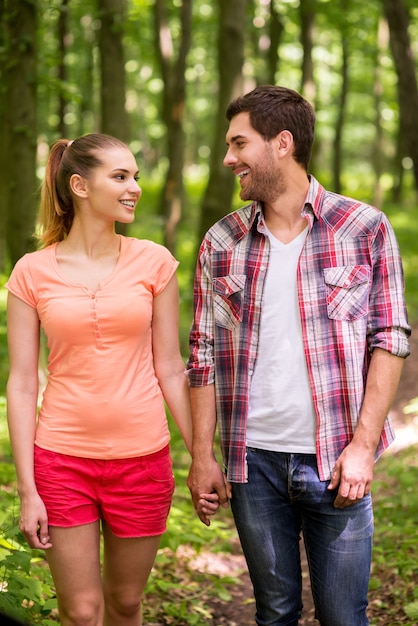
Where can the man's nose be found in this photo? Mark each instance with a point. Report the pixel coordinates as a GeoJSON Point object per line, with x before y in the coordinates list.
{"type": "Point", "coordinates": [229, 159]}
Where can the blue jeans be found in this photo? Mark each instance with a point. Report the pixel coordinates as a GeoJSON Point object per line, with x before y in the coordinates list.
{"type": "Point", "coordinates": [283, 497]}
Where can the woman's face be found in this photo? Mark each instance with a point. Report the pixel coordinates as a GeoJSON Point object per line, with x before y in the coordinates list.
{"type": "Point", "coordinates": [112, 191]}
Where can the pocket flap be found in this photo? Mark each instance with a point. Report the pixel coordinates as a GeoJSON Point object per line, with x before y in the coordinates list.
{"type": "Point", "coordinates": [227, 285]}
{"type": "Point", "coordinates": [347, 276]}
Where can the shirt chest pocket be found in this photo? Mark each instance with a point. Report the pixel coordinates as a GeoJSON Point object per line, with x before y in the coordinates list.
{"type": "Point", "coordinates": [228, 296]}
{"type": "Point", "coordinates": [347, 290]}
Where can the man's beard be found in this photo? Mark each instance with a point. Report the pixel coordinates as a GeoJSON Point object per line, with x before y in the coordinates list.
{"type": "Point", "coordinates": [266, 183]}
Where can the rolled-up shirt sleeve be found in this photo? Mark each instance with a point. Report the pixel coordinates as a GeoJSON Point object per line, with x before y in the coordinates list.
{"type": "Point", "coordinates": [200, 365]}
{"type": "Point", "coordinates": [388, 326]}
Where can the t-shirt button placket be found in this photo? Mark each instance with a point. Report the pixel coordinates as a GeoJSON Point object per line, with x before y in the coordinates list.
{"type": "Point", "coordinates": [95, 317]}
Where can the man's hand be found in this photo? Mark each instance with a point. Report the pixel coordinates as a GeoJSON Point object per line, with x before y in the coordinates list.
{"type": "Point", "coordinates": [208, 488]}
{"type": "Point", "coordinates": [353, 471]}
{"type": "Point", "coordinates": [352, 475]}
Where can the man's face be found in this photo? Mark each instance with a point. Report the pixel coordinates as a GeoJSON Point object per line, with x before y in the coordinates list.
{"type": "Point", "coordinates": [253, 160]}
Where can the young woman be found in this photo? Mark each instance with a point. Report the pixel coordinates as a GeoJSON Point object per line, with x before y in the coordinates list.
{"type": "Point", "coordinates": [97, 453]}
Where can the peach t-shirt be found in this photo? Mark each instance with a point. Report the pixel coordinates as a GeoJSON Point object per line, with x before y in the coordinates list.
{"type": "Point", "coordinates": [102, 398]}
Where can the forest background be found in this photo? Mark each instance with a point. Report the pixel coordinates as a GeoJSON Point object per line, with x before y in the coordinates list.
{"type": "Point", "coordinates": [159, 74]}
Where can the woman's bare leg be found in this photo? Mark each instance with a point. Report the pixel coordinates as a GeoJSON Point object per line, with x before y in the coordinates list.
{"type": "Point", "coordinates": [127, 566]}
{"type": "Point", "coordinates": [74, 561]}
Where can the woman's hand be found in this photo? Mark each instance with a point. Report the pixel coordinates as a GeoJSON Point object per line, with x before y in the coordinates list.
{"type": "Point", "coordinates": [33, 523]}
{"type": "Point", "coordinates": [207, 505]}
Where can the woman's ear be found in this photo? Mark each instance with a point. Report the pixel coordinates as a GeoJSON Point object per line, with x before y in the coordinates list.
{"type": "Point", "coordinates": [78, 186]}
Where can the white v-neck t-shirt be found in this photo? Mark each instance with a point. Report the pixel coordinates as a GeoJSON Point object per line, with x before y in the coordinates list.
{"type": "Point", "coordinates": [281, 413]}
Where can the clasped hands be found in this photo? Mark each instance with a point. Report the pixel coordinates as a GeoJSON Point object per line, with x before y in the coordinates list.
{"type": "Point", "coordinates": [209, 489]}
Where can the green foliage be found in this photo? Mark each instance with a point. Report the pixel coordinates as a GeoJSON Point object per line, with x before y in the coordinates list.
{"type": "Point", "coordinates": [406, 229]}
{"type": "Point", "coordinates": [81, 85]}
{"type": "Point", "coordinates": [395, 556]}
{"type": "Point", "coordinates": [3, 346]}
{"type": "Point", "coordinates": [25, 583]}
{"type": "Point", "coordinates": [412, 610]}
{"type": "Point", "coordinates": [175, 596]}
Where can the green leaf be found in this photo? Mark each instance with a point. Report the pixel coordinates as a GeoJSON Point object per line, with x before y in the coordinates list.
{"type": "Point", "coordinates": [412, 610]}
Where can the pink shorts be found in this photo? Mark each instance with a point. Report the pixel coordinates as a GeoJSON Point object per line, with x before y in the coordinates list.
{"type": "Point", "coordinates": [133, 496]}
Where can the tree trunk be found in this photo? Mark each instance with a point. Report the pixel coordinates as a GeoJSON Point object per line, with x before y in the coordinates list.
{"type": "Point", "coordinates": [62, 36]}
{"type": "Point", "coordinates": [265, 42]}
{"type": "Point", "coordinates": [276, 30]}
{"type": "Point", "coordinates": [20, 115]}
{"type": "Point", "coordinates": [398, 170]}
{"type": "Point", "coordinates": [307, 21]}
{"type": "Point", "coordinates": [3, 147]}
{"type": "Point", "coordinates": [400, 44]}
{"type": "Point", "coordinates": [173, 72]}
{"type": "Point", "coordinates": [87, 82]}
{"type": "Point", "coordinates": [339, 124]}
{"type": "Point", "coordinates": [114, 116]}
{"type": "Point", "coordinates": [307, 10]}
{"type": "Point", "coordinates": [220, 188]}
{"type": "Point", "coordinates": [377, 156]}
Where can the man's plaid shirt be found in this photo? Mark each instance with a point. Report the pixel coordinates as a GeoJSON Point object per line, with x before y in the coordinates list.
{"type": "Point", "coordinates": [351, 299]}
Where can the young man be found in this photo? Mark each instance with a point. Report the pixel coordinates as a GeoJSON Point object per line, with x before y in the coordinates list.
{"type": "Point", "coordinates": [297, 347]}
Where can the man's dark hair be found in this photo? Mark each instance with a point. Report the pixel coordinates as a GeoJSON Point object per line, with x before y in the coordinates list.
{"type": "Point", "coordinates": [273, 109]}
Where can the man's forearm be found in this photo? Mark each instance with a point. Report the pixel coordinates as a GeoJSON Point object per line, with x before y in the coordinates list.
{"type": "Point", "coordinates": [203, 406]}
{"type": "Point", "coordinates": [381, 386]}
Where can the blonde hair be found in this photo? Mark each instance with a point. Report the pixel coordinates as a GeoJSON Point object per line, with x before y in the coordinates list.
{"type": "Point", "coordinates": [81, 156]}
